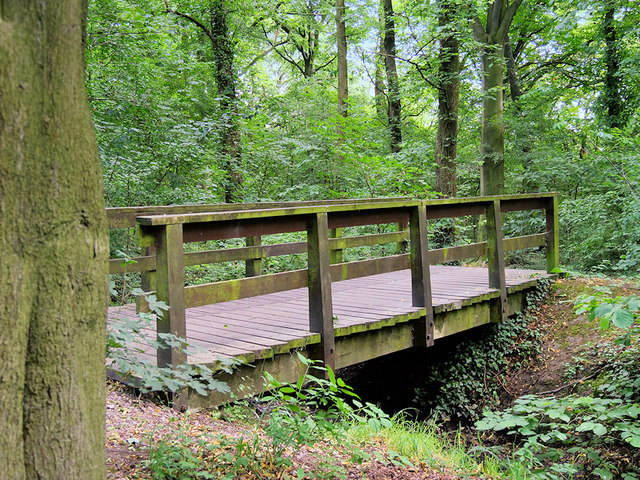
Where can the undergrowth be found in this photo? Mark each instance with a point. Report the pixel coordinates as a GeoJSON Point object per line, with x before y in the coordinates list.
{"type": "Point", "coordinates": [471, 378]}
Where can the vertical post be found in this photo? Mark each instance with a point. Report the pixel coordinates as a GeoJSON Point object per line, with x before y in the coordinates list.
{"type": "Point", "coordinates": [170, 289]}
{"type": "Point", "coordinates": [495, 261]}
{"type": "Point", "coordinates": [420, 273]}
{"type": "Point", "coordinates": [552, 234]}
{"type": "Point", "coordinates": [253, 267]}
{"type": "Point", "coordinates": [335, 256]}
{"type": "Point", "coordinates": [402, 247]}
{"type": "Point", "coordinates": [147, 280]}
{"type": "Point", "coordinates": [319, 282]}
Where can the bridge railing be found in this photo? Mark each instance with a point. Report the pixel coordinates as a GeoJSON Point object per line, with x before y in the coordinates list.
{"type": "Point", "coordinates": [163, 231]}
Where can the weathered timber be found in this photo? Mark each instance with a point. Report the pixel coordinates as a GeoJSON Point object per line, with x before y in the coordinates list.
{"type": "Point", "coordinates": [420, 271]}
{"type": "Point", "coordinates": [319, 284]}
{"type": "Point", "coordinates": [170, 289]}
{"type": "Point", "coordinates": [335, 254]}
{"type": "Point", "coordinates": [495, 259]}
{"type": "Point", "coordinates": [369, 305]}
{"type": "Point", "coordinates": [552, 234]}
{"type": "Point", "coordinates": [229, 290]}
{"type": "Point", "coordinates": [253, 266]}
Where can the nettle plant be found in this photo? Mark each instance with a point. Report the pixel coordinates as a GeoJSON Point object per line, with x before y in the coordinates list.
{"type": "Point", "coordinates": [126, 338]}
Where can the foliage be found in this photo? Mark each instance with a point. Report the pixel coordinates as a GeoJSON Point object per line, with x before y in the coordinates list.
{"type": "Point", "coordinates": [292, 416]}
{"type": "Point", "coordinates": [558, 437]}
{"type": "Point", "coordinates": [469, 380]}
{"type": "Point", "coordinates": [127, 339]}
{"type": "Point", "coordinates": [621, 311]}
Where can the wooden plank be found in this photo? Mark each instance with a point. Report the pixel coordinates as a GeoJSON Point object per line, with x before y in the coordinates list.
{"type": "Point", "coordinates": [364, 268]}
{"type": "Point", "coordinates": [452, 254]}
{"type": "Point", "coordinates": [225, 229]}
{"type": "Point", "coordinates": [123, 217]}
{"type": "Point", "coordinates": [217, 292]}
{"type": "Point", "coordinates": [392, 213]}
{"type": "Point", "coordinates": [319, 282]}
{"type": "Point", "coordinates": [526, 241]}
{"type": "Point", "coordinates": [552, 234]}
{"type": "Point", "coordinates": [170, 289]}
{"type": "Point", "coordinates": [420, 270]}
{"type": "Point", "coordinates": [495, 259]}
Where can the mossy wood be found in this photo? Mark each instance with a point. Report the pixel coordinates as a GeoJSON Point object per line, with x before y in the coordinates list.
{"type": "Point", "coordinates": [163, 237]}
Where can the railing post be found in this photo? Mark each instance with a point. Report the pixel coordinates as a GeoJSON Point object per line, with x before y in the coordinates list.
{"type": "Point", "coordinates": [420, 273]}
{"type": "Point", "coordinates": [319, 282]}
{"type": "Point", "coordinates": [401, 247]}
{"type": "Point", "coordinates": [147, 280]}
{"type": "Point", "coordinates": [253, 267]}
{"type": "Point", "coordinates": [170, 289]}
{"type": "Point", "coordinates": [552, 234]}
{"type": "Point", "coordinates": [495, 261]}
{"type": "Point", "coordinates": [335, 256]}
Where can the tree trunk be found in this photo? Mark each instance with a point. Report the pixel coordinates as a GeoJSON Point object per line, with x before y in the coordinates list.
{"type": "Point", "coordinates": [492, 136]}
{"type": "Point", "coordinates": [381, 106]}
{"type": "Point", "coordinates": [492, 38]}
{"type": "Point", "coordinates": [393, 86]}
{"type": "Point", "coordinates": [226, 77]}
{"type": "Point", "coordinates": [343, 80]}
{"type": "Point", "coordinates": [612, 100]}
{"type": "Point", "coordinates": [448, 102]}
{"type": "Point", "coordinates": [53, 248]}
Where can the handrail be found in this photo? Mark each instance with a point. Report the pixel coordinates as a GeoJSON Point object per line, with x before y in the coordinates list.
{"type": "Point", "coordinates": [163, 236]}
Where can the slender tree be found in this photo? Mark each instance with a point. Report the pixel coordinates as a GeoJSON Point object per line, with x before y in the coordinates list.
{"type": "Point", "coordinates": [394, 105]}
{"type": "Point", "coordinates": [343, 80]}
{"type": "Point", "coordinates": [612, 96]}
{"type": "Point", "coordinates": [54, 249]}
{"type": "Point", "coordinates": [226, 80]}
{"type": "Point", "coordinates": [492, 37]}
{"type": "Point", "coordinates": [448, 100]}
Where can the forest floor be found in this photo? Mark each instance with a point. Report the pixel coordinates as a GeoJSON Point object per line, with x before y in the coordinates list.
{"type": "Point", "coordinates": [570, 356]}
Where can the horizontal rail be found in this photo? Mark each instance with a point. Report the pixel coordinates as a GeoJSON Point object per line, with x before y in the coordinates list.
{"type": "Point", "coordinates": [436, 256]}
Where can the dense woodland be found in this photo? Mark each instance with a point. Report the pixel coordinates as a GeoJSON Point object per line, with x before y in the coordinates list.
{"type": "Point", "coordinates": [225, 100]}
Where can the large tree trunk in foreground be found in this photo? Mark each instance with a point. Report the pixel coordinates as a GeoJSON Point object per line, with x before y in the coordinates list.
{"type": "Point", "coordinates": [448, 103]}
{"type": "Point", "coordinates": [53, 248]}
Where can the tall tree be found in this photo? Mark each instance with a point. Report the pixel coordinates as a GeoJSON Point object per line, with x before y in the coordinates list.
{"type": "Point", "coordinates": [54, 249]}
{"type": "Point", "coordinates": [226, 80]}
{"type": "Point", "coordinates": [448, 100]}
{"type": "Point", "coordinates": [492, 37]}
{"type": "Point", "coordinates": [612, 97]}
{"type": "Point", "coordinates": [343, 80]}
{"type": "Point", "coordinates": [394, 105]}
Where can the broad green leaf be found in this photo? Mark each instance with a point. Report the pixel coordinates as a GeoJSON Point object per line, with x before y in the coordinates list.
{"type": "Point", "coordinates": [623, 318]}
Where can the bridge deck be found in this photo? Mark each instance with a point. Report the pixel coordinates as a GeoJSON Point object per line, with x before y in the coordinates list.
{"type": "Point", "coordinates": [259, 327]}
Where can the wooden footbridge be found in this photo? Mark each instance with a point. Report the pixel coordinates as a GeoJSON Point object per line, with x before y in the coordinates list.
{"type": "Point", "coordinates": [341, 312]}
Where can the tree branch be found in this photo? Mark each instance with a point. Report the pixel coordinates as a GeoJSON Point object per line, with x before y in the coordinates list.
{"type": "Point", "coordinates": [191, 19]}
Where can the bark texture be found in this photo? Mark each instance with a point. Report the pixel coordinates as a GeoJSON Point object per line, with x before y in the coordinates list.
{"type": "Point", "coordinates": [393, 85]}
{"type": "Point", "coordinates": [53, 248]}
{"type": "Point", "coordinates": [448, 103]}
{"type": "Point", "coordinates": [226, 80]}
{"type": "Point", "coordinates": [612, 98]}
{"type": "Point", "coordinates": [343, 80]}
{"type": "Point", "coordinates": [492, 37]}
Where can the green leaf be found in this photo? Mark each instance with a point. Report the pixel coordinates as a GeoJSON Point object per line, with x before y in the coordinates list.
{"type": "Point", "coordinates": [603, 309]}
{"type": "Point", "coordinates": [623, 318]}
{"type": "Point", "coordinates": [604, 323]}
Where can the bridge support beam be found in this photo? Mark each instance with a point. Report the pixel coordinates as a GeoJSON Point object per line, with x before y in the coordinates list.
{"type": "Point", "coordinates": [421, 274]}
{"type": "Point", "coordinates": [319, 282]}
{"type": "Point", "coordinates": [552, 234]}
